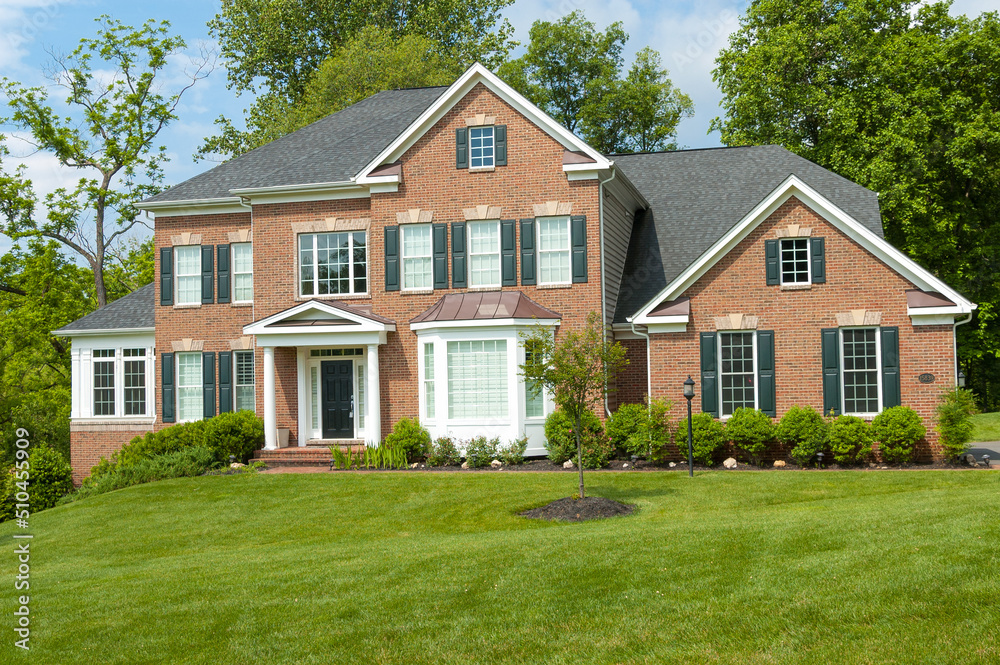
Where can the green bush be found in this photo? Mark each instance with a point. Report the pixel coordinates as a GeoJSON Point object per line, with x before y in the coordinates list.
{"type": "Point", "coordinates": [804, 430]}
{"type": "Point", "coordinates": [954, 423]}
{"type": "Point", "coordinates": [45, 478]}
{"type": "Point", "coordinates": [513, 452]}
{"type": "Point", "coordinates": [706, 437]}
{"type": "Point", "coordinates": [444, 453]}
{"type": "Point", "coordinates": [624, 423]}
{"type": "Point", "coordinates": [750, 430]}
{"type": "Point", "coordinates": [850, 439]}
{"type": "Point", "coordinates": [480, 451]}
{"type": "Point", "coordinates": [560, 441]}
{"type": "Point", "coordinates": [409, 435]}
{"type": "Point", "coordinates": [191, 461]}
{"type": "Point", "coordinates": [597, 452]}
{"type": "Point", "coordinates": [238, 434]}
{"type": "Point", "coordinates": [897, 430]}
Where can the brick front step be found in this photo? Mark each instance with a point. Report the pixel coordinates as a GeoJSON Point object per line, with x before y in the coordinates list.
{"type": "Point", "coordinates": [295, 456]}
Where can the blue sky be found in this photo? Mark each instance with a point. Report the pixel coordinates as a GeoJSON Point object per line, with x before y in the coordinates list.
{"type": "Point", "coordinates": [687, 34]}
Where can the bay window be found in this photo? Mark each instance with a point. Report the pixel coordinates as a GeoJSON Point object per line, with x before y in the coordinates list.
{"type": "Point", "coordinates": [104, 382]}
{"type": "Point", "coordinates": [477, 379]}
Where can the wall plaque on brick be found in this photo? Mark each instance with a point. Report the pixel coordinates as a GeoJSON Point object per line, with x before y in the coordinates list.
{"type": "Point", "coordinates": [926, 378]}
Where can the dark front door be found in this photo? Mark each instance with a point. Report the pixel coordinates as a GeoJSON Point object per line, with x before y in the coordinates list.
{"type": "Point", "coordinates": [338, 399]}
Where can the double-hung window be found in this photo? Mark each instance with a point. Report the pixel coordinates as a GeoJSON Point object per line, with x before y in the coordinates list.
{"type": "Point", "coordinates": [333, 263]}
{"type": "Point", "coordinates": [484, 253]}
{"type": "Point", "coordinates": [477, 379]}
{"type": "Point", "coordinates": [243, 272]}
{"type": "Point", "coordinates": [428, 381]}
{"type": "Point", "coordinates": [134, 374]}
{"type": "Point", "coordinates": [534, 399]}
{"type": "Point", "coordinates": [553, 250]}
{"type": "Point", "coordinates": [190, 395]}
{"type": "Point", "coordinates": [860, 354]}
{"type": "Point", "coordinates": [795, 261]}
{"type": "Point", "coordinates": [737, 371]}
{"type": "Point", "coordinates": [481, 147]}
{"type": "Point", "coordinates": [245, 393]}
{"type": "Point", "coordinates": [417, 256]}
{"type": "Point", "coordinates": [104, 382]}
{"type": "Point", "coordinates": [188, 274]}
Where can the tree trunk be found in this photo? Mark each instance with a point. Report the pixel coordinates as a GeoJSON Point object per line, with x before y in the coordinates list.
{"type": "Point", "coordinates": [102, 291]}
{"type": "Point", "coordinates": [579, 453]}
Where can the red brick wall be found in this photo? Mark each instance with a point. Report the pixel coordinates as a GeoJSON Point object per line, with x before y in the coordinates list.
{"type": "Point", "coordinates": [89, 444]}
{"type": "Point", "coordinates": [631, 384]}
{"type": "Point", "coordinates": [854, 280]}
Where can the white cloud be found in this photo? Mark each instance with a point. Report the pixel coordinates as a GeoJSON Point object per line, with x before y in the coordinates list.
{"type": "Point", "coordinates": [22, 22]}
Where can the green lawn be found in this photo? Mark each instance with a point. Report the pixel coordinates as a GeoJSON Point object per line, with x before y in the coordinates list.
{"type": "Point", "coordinates": [986, 427]}
{"type": "Point", "coordinates": [737, 567]}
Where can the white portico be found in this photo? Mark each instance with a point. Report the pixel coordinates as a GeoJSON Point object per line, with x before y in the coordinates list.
{"type": "Point", "coordinates": [337, 369]}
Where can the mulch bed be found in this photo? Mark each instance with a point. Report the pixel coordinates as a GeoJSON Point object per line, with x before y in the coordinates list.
{"type": "Point", "coordinates": [579, 510]}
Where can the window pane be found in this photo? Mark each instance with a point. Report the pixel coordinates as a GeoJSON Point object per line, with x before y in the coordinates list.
{"type": "Point", "coordinates": [477, 379]}
{"type": "Point", "coordinates": [135, 385]}
{"type": "Point", "coordinates": [104, 383]}
{"type": "Point", "coordinates": [417, 257]}
{"type": "Point", "coordinates": [429, 380]}
{"type": "Point", "coordinates": [243, 272]}
{"type": "Point", "coordinates": [484, 253]}
{"type": "Point", "coordinates": [245, 393]}
{"type": "Point", "coordinates": [314, 396]}
{"type": "Point", "coordinates": [481, 147]}
{"type": "Point", "coordinates": [189, 388]}
{"type": "Point", "coordinates": [737, 371]}
{"type": "Point", "coordinates": [860, 371]}
{"type": "Point", "coordinates": [534, 406]}
{"type": "Point", "coordinates": [188, 274]}
{"type": "Point", "coordinates": [362, 409]}
{"type": "Point", "coordinates": [360, 263]}
{"type": "Point", "coordinates": [795, 261]}
{"type": "Point", "coordinates": [553, 251]}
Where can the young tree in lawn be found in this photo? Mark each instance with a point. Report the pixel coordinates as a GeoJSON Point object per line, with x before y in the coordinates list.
{"type": "Point", "coordinates": [118, 108]}
{"type": "Point", "coordinates": [576, 371]}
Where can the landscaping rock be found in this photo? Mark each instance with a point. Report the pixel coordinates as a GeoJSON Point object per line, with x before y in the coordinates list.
{"type": "Point", "coordinates": [236, 465]}
{"type": "Point", "coordinates": [673, 464]}
{"type": "Point", "coordinates": [778, 463]}
{"type": "Point", "coordinates": [568, 464]}
{"type": "Point", "coordinates": [969, 459]}
{"type": "Point", "coordinates": [415, 465]}
{"type": "Point", "coordinates": [465, 465]}
{"type": "Point", "coordinates": [625, 465]}
{"type": "Point", "coordinates": [496, 464]}
{"type": "Point", "coordinates": [729, 463]}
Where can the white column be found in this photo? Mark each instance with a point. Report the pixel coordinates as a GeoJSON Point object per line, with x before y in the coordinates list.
{"type": "Point", "coordinates": [270, 412]}
{"type": "Point", "coordinates": [373, 424]}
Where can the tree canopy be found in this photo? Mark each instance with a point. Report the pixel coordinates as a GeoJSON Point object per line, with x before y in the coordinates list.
{"type": "Point", "coordinates": [902, 98]}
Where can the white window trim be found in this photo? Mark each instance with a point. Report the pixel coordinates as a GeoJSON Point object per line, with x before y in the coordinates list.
{"type": "Point", "coordinates": [177, 383]}
{"type": "Point", "coordinates": [404, 228]}
{"type": "Point", "coordinates": [236, 385]}
{"type": "Point", "coordinates": [310, 362]}
{"type": "Point", "coordinates": [568, 251]}
{"type": "Point", "coordinates": [178, 276]}
{"type": "Point", "coordinates": [878, 371]}
{"type": "Point", "coordinates": [493, 150]}
{"type": "Point", "coordinates": [147, 386]}
{"type": "Point", "coordinates": [235, 273]}
{"type": "Point", "coordinates": [117, 377]}
{"type": "Point", "coordinates": [718, 351]}
{"type": "Point", "coordinates": [422, 370]}
{"type": "Point", "coordinates": [498, 253]}
{"type": "Point", "coordinates": [548, 405]}
{"type": "Point", "coordinates": [315, 261]}
{"type": "Point", "coordinates": [781, 262]}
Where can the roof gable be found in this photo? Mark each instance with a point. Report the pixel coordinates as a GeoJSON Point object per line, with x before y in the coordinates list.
{"type": "Point", "coordinates": [317, 315]}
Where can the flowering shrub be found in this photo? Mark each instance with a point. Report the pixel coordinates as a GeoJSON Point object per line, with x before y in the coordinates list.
{"type": "Point", "coordinates": [444, 453]}
{"type": "Point", "coordinates": [480, 451]}
{"type": "Point", "coordinates": [560, 441]}
{"type": "Point", "coordinates": [513, 452]}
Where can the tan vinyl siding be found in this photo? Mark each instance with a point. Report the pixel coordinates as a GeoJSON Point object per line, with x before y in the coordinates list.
{"type": "Point", "coordinates": [617, 230]}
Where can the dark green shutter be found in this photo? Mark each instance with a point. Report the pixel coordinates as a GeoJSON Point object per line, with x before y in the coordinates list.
{"type": "Point", "coordinates": [440, 239]}
{"type": "Point", "coordinates": [890, 367]}
{"type": "Point", "coordinates": [392, 258]}
{"type": "Point", "coordinates": [766, 397]}
{"type": "Point", "coordinates": [500, 143]}
{"type": "Point", "coordinates": [208, 382]}
{"type": "Point", "coordinates": [458, 255]}
{"type": "Point", "coordinates": [462, 148]}
{"type": "Point", "coordinates": [578, 236]}
{"type": "Point", "coordinates": [818, 256]}
{"type": "Point", "coordinates": [772, 261]}
{"type": "Point", "coordinates": [167, 386]}
{"type": "Point", "coordinates": [508, 253]}
{"type": "Point", "coordinates": [207, 275]}
{"type": "Point", "coordinates": [166, 276]}
{"type": "Point", "coordinates": [225, 381]}
{"type": "Point", "coordinates": [709, 375]}
{"type": "Point", "coordinates": [225, 285]}
{"type": "Point", "coordinates": [831, 371]}
{"type": "Point", "coordinates": [527, 252]}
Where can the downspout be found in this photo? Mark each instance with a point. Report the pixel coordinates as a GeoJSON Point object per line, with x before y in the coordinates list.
{"type": "Point", "coordinates": [954, 341]}
{"type": "Point", "coordinates": [604, 306]}
{"type": "Point", "coordinates": [649, 373]}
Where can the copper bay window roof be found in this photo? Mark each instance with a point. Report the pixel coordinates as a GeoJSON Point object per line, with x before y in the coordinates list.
{"type": "Point", "coordinates": [484, 306]}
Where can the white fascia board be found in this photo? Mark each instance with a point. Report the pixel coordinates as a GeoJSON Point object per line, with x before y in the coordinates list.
{"type": "Point", "coordinates": [667, 327]}
{"type": "Point", "coordinates": [325, 191]}
{"type": "Point", "coordinates": [108, 332]}
{"type": "Point", "coordinates": [260, 327]}
{"type": "Point", "coordinates": [384, 188]}
{"type": "Point", "coordinates": [932, 319]}
{"type": "Point", "coordinates": [315, 338]}
{"type": "Point", "coordinates": [793, 186]}
{"type": "Point", "coordinates": [583, 175]}
{"type": "Point", "coordinates": [477, 73]}
{"type": "Point", "coordinates": [494, 325]}
{"type": "Point", "coordinates": [935, 311]}
{"type": "Point", "coordinates": [377, 179]}
{"type": "Point", "coordinates": [194, 207]}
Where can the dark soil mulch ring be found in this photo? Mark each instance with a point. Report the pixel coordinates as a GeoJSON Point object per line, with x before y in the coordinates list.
{"type": "Point", "coordinates": [579, 510]}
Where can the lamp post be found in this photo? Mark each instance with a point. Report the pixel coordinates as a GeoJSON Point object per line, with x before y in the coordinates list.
{"type": "Point", "coordinates": [688, 395]}
{"type": "Point", "coordinates": [961, 379]}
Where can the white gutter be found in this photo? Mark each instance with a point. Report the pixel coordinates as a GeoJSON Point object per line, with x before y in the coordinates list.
{"type": "Point", "coordinates": [102, 331]}
{"type": "Point", "coordinates": [604, 304]}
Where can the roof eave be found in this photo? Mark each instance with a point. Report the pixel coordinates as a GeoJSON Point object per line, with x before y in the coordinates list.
{"type": "Point", "coordinates": [100, 331]}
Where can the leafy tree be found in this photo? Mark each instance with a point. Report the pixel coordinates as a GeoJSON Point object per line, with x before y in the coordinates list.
{"type": "Point", "coordinates": [902, 98]}
{"type": "Point", "coordinates": [109, 139]}
{"type": "Point", "coordinates": [576, 371]}
{"type": "Point", "coordinates": [276, 47]}
{"type": "Point", "coordinates": [572, 71]}
{"type": "Point", "coordinates": [132, 267]}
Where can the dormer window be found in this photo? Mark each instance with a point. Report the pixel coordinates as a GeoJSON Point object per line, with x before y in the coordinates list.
{"type": "Point", "coordinates": [481, 147]}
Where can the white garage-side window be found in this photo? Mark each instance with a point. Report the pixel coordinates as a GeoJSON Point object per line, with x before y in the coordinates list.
{"type": "Point", "coordinates": [477, 379]}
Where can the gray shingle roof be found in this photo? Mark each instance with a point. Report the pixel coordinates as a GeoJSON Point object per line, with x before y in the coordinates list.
{"type": "Point", "coordinates": [128, 312]}
{"type": "Point", "coordinates": [696, 196]}
{"type": "Point", "coordinates": [333, 149]}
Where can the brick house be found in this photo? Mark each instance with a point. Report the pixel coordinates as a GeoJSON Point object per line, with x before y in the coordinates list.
{"type": "Point", "coordinates": [383, 262]}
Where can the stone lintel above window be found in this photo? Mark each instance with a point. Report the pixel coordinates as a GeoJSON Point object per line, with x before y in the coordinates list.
{"type": "Point", "coordinates": [481, 212]}
{"type": "Point", "coordinates": [415, 216]}
{"type": "Point", "coordinates": [332, 225]}
{"type": "Point", "coordinates": [243, 235]}
{"type": "Point", "coordinates": [186, 238]}
{"type": "Point", "coordinates": [188, 344]}
{"type": "Point", "coordinates": [241, 344]}
{"type": "Point", "coordinates": [553, 209]}
{"type": "Point", "coordinates": [859, 317]}
{"type": "Point", "coordinates": [793, 231]}
{"type": "Point", "coordinates": [480, 120]}
{"type": "Point", "coordinates": [736, 322]}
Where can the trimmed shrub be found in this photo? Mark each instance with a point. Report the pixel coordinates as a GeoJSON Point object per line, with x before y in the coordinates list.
{"type": "Point", "coordinates": [897, 430]}
{"type": "Point", "coordinates": [560, 441]}
{"type": "Point", "coordinates": [236, 433]}
{"type": "Point", "coordinates": [513, 452]}
{"type": "Point", "coordinates": [850, 439]}
{"type": "Point", "coordinates": [444, 453]}
{"type": "Point", "coordinates": [480, 451]}
{"type": "Point", "coordinates": [750, 430]}
{"type": "Point", "coordinates": [191, 461]}
{"type": "Point", "coordinates": [597, 452]}
{"type": "Point", "coordinates": [804, 430]}
{"type": "Point", "coordinates": [409, 435]}
{"type": "Point", "coordinates": [47, 478]}
{"type": "Point", "coordinates": [624, 423]}
{"type": "Point", "coordinates": [706, 437]}
{"type": "Point", "coordinates": [954, 424]}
